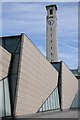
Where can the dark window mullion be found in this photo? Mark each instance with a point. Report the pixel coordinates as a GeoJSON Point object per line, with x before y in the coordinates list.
{"type": "Point", "coordinates": [4, 98]}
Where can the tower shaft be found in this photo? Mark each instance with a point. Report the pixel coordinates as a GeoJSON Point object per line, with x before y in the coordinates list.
{"type": "Point", "coordinates": [51, 34]}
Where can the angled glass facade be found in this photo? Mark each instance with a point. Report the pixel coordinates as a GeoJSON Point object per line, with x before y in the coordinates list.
{"type": "Point", "coordinates": [54, 100]}
{"type": "Point", "coordinates": [5, 106]}
{"type": "Point", "coordinates": [56, 65]}
{"type": "Point", "coordinates": [51, 103]}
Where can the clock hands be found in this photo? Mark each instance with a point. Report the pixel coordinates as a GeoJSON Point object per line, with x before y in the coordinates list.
{"type": "Point", "coordinates": [51, 22]}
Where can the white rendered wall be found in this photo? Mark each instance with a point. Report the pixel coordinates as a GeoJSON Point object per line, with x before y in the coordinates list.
{"type": "Point", "coordinates": [37, 79]}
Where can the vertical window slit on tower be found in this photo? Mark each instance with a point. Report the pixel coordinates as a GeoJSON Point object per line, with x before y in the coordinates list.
{"type": "Point", "coordinates": [50, 28]}
{"type": "Point", "coordinates": [51, 11]}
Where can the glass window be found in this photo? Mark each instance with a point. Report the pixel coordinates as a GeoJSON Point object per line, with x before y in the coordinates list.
{"type": "Point", "coordinates": [1, 99]}
{"type": "Point", "coordinates": [49, 102]}
{"type": "Point", "coordinates": [11, 44]}
{"type": "Point", "coordinates": [52, 102]}
{"type": "Point", "coordinates": [13, 88]}
{"type": "Point", "coordinates": [76, 101]}
{"type": "Point", "coordinates": [7, 98]}
{"type": "Point", "coordinates": [57, 66]}
{"type": "Point", "coordinates": [46, 105]}
{"type": "Point", "coordinates": [1, 41]}
{"type": "Point", "coordinates": [54, 99]}
{"type": "Point", "coordinates": [40, 109]}
{"type": "Point", "coordinates": [5, 108]}
{"type": "Point", "coordinates": [15, 61]}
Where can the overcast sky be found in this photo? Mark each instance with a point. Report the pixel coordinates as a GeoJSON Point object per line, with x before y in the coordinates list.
{"type": "Point", "coordinates": [30, 18]}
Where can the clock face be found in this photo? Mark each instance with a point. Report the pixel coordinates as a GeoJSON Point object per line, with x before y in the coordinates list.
{"type": "Point", "coordinates": [50, 21]}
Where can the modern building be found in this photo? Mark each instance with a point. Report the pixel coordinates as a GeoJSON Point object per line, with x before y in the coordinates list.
{"type": "Point", "coordinates": [31, 77]}
{"type": "Point", "coordinates": [30, 83]}
{"type": "Point", "coordinates": [65, 94]}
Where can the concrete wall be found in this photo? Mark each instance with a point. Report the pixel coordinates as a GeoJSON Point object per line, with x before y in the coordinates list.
{"type": "Point", "coordinates": [69, 87]}
{"type": "Point", "coordinates": [51, 29]}
{"type": "Point", "coordinates": [37, 79]}
{"type": "Point", "coordinates": [4, 62]}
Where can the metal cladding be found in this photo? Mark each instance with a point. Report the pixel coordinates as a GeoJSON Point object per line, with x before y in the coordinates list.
{"type": "Point", "coordinates": [69, 87]}
{"type": "Point", "coordinates": [37, 79]}
{"type": "Point", "coordinates": [5, 58]}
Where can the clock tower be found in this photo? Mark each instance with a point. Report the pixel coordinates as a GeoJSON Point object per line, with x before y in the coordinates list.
{"type": "Point", "coordinates": [51, 34]}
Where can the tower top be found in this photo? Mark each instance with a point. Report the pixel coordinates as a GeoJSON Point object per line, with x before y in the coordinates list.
{"type": "Point", "coordinates": [51, 6]}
